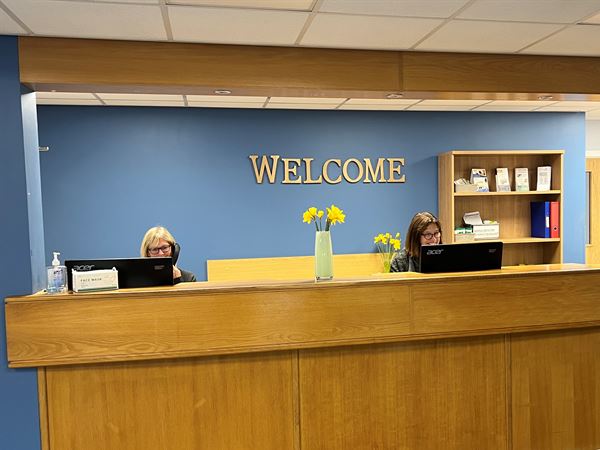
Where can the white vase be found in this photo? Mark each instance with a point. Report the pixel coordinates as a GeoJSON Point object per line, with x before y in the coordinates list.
{"type": "Point", "coordinates": [323, 256]}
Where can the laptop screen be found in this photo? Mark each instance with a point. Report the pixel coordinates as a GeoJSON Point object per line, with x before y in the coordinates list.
{"type": "Point", "coordinates": [463, 257]}
{"type": "Point", "coordinates": [133, 272]}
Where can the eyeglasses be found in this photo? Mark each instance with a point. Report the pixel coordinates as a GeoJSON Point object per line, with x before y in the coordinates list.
{"type": "Point", "coordinates": [428, 236]}
{"type": "Point", "coordinates": [165, 250]}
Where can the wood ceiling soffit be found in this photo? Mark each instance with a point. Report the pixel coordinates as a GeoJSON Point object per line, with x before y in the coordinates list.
{"type": "Point", "coordinates": [90, 65]}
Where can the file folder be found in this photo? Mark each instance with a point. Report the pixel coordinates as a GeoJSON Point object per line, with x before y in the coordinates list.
{"type": "Point", "coordinates": [540, 219]}
{"type": "Point", "coordinates": [554, 219]}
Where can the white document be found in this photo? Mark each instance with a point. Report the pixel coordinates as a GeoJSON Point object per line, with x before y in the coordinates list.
{"type": "Point", "coordinates": [502, 181]}
{"type": "Point", "coordinates": [482, 183]}
{"type": "Point", "coordinates": [521, 179]}
{"type": "Point", "coordinates": [544, 177]}
{"type": "Point", "coordinates": [472, 218]}
{"type": "Point", "coordinates": [477, 173]}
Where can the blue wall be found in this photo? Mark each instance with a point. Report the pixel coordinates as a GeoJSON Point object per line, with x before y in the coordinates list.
{"type": "Point", "coordinates": [19, 426]}
{"type": "Point", "coordinates": [113, 172]}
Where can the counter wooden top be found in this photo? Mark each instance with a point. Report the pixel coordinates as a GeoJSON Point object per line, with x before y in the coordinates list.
{"type": "Point", "coordinates": [208, 318]}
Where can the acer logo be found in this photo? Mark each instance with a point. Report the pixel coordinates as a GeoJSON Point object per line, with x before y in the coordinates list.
{"type": "Point", "coordinates": [435, 251]}
{"type": "Point", "coordinates": [84, 268]}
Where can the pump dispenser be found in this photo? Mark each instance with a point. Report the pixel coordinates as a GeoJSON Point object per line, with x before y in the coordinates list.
{"type": "Point", "coordinates": [57, 276]}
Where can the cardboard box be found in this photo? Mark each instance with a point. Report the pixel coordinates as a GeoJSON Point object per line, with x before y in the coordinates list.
{"type": "Point", "coordinates": [464, 237]}
{"type": "Point", "coordinates": [465, 188]}
{"type": "Point", "coordinates": [95, 280]}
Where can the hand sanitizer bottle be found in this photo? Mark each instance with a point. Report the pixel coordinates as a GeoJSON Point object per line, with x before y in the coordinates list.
{"type": "Point", "coordinates": [57, 277]}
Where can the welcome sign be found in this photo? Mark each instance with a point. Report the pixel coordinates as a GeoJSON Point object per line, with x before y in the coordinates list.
{"type": "Point", "coordinates": [332, 171]}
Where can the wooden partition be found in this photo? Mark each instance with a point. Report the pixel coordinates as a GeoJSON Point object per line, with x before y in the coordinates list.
{"type": "Point", "coordinates": [291, 267]}
{"type": "Point", "coordinates": [506, 359]}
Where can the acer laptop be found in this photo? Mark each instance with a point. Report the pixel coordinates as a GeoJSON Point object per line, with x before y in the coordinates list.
{"type": "Point", "coordinates": [462, 257]}
{"type": "Point", "coordinates": [133, 272]}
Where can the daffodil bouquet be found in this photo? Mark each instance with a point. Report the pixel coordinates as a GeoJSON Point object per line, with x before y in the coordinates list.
{"type": "Point", "coordinates": [334, 215]}
{"type": "Point", "coordinates": [387, 247]}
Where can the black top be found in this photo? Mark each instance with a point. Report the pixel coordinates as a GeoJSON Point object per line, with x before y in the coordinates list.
{"type": "Point", "coordinates": [186, 277]}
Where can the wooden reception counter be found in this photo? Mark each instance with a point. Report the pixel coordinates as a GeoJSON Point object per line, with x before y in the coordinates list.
{"type": "Point", "coordinates": [506, 359]}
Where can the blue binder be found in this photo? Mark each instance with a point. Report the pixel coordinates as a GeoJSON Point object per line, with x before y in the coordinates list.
{"type": "Point", "coordinates": [540, 219]}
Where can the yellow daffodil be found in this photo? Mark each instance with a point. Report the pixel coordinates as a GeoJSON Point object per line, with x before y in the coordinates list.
{"type": "Point", "coordinates": [307, 217]}
{"type": "Point", "coordinates": [387, 247]}
{"type": "Point", "coordinates": [334, 215]}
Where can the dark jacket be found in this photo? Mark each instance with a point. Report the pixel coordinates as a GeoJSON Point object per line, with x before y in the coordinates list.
{"type": "Point", "coordinates": [185, 277]}
{"type": "Point", "coordinates": [404, 263]}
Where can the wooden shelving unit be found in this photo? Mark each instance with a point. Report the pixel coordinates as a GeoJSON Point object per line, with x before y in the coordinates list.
{"type": "Point", "coordinates": [510, 209]}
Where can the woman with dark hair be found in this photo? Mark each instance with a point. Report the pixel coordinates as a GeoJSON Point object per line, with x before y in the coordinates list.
{"type": "Point", "coordinates": [424, 229]}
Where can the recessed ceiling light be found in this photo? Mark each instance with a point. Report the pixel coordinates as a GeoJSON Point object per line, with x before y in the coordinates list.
{"type": "Point", "coordinates": [222, 92]}
{"type": "Point", "coordinates": [394, 95]}
{"type": "Point", "coordinates": [545, 97]}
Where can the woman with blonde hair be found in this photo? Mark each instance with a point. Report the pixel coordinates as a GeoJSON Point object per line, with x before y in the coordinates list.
{"type": "Point", "coordinates": [158, 242]}
{"type": "Point", "coordinates": [424, 229]}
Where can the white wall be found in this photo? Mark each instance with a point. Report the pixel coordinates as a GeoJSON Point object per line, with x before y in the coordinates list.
{"type": "Point", "coordinates": [592, 138]}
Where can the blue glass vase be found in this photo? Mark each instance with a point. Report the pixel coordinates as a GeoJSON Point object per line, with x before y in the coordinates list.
{"type": "Point", "coordinates": [323, 256]}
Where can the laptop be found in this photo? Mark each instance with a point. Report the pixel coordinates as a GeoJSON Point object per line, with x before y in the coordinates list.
{"type": "Point", "coordinates": [462, 257]}
{"type": "Point", "coordinates": [133, 272]}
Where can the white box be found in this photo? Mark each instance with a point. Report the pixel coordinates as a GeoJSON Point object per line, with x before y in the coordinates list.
{"type": "Point", "coordinates": [465, 188]}
{"type": "Point", "coordinates": [464, 237]}
{"type": "Point", "coordinates": [95, 280]}
{"type": "Point", "coordinates": [486, 231]}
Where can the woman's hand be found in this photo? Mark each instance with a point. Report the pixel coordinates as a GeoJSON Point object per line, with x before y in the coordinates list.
{"type": "Point", "coordinates": [176, 273]}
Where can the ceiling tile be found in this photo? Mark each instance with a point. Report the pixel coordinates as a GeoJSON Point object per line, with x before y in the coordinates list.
{"type": "Point", "coordinates": [226, 98]}
{"type": "Point", "coordinates": [407, 8]}
{"type": "Point", "coordinates": [236, 26]}
{"type": "Point", "coordinates": [420, 107]}
{"type": "Point", "coordinates": [150, 2]}
{"type": "Point", "coordinates": [144, 97]}
{"type": "Point", "coordinates": [367, 32]}
{"type": "Point", "coordinates": [299, 106]}
{"type": "Point", "coordinates": [374, 107]}
{"type": "Point", "coordinates": [382, 101]}
{"type": "Point", "coordinates": [581, 40]}
{"type": "Point", "coordinates": [555, 11]}
{"type": "Point", "coordinates": [143, 103]}
{"type": "Point", "coordinates": [226, 105]}
{"type": "Point", "coordinates": [582, 104]}
{"type": "Point", "coordinates": [321, 100]}
{"type": "Point", "coordinates": [8, 25]}
{"type": "Point", "coordinates": [90, 19]}
{"type": "Point", "coordinates": [559, 107]}
{"type": "Point", "coordinates": [66, 95]}
{"type": "Point", "coordinates": [593, 115]}
{"type": "Point", "coordinates": [467, 102]}
{"type": "Point", "coordinates": [67, 101]}
{"type": "Point", "coordinates": [594, 19]}
{"type": "Point", "coordinates": [527, 103]}
{"type": "Point", "coordinates": [477, 36]}
{"type": "Point", "coordinates": [505, 108]}
{"type": "Point", "coordinates": [296, 5]}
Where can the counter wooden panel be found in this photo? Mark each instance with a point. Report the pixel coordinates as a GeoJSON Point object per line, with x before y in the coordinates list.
{"type": "Point", "coordinates": [506, 359]}
{"type": "Point", "coordinates": [71, 329]}
{"type": "Point", "coordinates": [406, 396]}
{"type": "Point", "coordinates": [236, 402]}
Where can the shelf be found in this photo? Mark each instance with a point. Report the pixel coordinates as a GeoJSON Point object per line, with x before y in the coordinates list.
{"type": "Point", "coordinates": [510, 241]}
{"type": "Point", "coordinates": [511, 209]}
{"type": "Point", "coordinates": [529, 240]}
{"type": "Point", "coordinates": [492, 154]}
{"type": "Point", "coordinates": [487, 194]}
